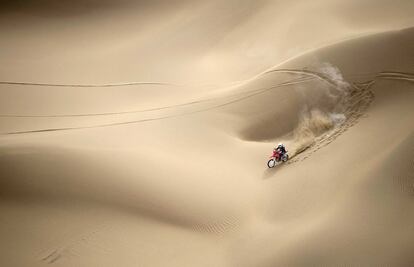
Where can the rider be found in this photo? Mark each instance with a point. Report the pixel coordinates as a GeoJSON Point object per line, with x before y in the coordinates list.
{"type": "Point", "coordinates": [281, 149]}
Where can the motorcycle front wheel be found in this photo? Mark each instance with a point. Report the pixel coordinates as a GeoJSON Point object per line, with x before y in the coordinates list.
{"type": "Point", "coordinates": [271, 163]}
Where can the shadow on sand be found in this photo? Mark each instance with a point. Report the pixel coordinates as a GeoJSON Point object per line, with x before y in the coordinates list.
{"type": "Point", "coordinates": [270, 172]}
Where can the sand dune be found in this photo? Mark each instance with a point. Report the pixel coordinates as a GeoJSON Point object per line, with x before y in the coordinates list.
{"type": "Point", "coordinates": [140, 138]}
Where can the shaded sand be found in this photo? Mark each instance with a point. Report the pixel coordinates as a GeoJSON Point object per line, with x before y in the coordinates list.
{"type": "Point", "coordinates": [108, 162]}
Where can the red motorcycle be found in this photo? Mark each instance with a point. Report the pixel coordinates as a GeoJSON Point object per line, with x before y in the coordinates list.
{"type": "Point", "coordinates": [277, 157]}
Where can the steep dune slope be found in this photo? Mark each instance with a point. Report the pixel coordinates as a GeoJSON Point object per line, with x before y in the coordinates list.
{"type": "Point", "coordinates": [324, 86]}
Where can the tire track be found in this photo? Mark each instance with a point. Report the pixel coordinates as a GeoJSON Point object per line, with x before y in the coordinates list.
{"type": "Point", "coordinates": [394, 75]}
{"type": "Point", "coordinates": [291, 71]}
{"type": "Point", "coordinates": [259, 91]}
{"type": "Point", "coordinates": [360, 99]}
{"type": "Point", "coordinates": [315, 74]}
{"type": "Point", "coordinates": [66, 249]}
{"type": "Point", "coordinates": [293, 81]}
{"type": "Point", "coordinates": [86, 85]}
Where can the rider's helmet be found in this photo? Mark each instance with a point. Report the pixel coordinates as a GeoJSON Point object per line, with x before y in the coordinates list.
{"type": "Point", "coordinates": [280, 145]}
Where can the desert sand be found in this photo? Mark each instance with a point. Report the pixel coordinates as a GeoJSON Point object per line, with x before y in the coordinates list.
{"type": "Point", "coordinates": [136, 133]}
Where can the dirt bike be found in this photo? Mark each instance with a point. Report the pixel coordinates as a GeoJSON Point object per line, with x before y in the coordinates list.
{"type": "Point", "coordinates": [277, 157]}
